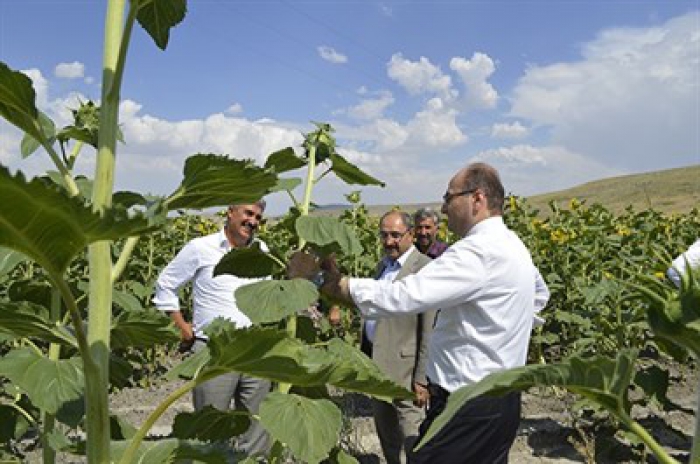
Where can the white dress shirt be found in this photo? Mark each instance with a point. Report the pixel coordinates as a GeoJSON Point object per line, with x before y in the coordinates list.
{"type": "Point", "coordinates": [484, 286]}
{"type": "Point", "coordinates": [390, 270]}
{"type": "Point", "coordinates": [678, 267]}
{"type": "Point", "coordinates": [212, 297]}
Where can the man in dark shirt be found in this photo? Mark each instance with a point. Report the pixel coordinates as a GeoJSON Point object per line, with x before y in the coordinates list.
{"type": "Point", "coordinates": [426, 222]}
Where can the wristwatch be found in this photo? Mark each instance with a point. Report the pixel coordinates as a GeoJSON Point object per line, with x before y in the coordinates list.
{"type": "Point", "coordinates": [318, 279]}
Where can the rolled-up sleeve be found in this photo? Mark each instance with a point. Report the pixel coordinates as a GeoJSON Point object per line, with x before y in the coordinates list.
{"type": "Point", "coordinates": [175, 275]}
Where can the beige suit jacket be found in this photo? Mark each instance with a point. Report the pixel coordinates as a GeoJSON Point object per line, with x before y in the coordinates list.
{"type": "Point", "coordinates": [400, 345]}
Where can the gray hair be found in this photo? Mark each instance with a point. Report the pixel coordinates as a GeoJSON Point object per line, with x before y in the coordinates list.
{"type": "Point", "coordinates": [426, 213]}
{"type": "Point", "coordinates": [261, 203]}
{"type": "Point", "coordinates": [405, 218]}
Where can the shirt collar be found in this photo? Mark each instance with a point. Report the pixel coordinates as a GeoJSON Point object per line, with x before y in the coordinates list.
{"type": "Point", "coordinates": [490, 223]}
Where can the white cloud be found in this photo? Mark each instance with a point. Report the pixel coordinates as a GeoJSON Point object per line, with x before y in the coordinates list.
{"type": "Point", "coordinates": [631, 100]}
{"type": "Point", "coordinates": [386, 10]}
{"type": "Point", "coordinates": [527, 170]}
{"type": "Point", "coordinates": [509, 130]}
{"type": "Point", "coordinates": [420, 76]}
{"type": "Point", "coordinates": [436, 127]}
{"type": "Point", "coordinates": [371, 108]}
{"type": "Point", "coordinates": [474, 74]}
{"type": "Point", "coordinates": [236, 108]}
{"type": "Point", "coordinates": [72, 70]}
{"type": "Point", "coordinates": [331, 55]}
{"type": "Point", "coordinates": [40, 84]}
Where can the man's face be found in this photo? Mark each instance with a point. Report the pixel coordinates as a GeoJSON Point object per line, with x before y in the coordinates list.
{"type": "Point", "coordinates": [425, 232]}
{"type": "Point", "coordinates": [241, 223]}
{"type": "Point", "coordinates": [396, 238]}
{"type": "Point", "coordinates": [458, 205]}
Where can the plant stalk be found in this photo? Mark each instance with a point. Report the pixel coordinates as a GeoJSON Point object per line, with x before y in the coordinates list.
{"type": "Point", "coordinates": [124, 257]}
{"type": "Point", "coordinates": [648, 440]}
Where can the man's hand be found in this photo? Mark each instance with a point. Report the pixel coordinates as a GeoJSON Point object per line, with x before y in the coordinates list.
{"type": "Point", "coordinates": [422, 395]}
{"type": "Point", "coordinates": [303, 265]}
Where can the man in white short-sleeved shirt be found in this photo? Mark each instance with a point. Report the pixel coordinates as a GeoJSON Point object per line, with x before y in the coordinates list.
{"type": "Point", "coordinates": [488, 291]}
{"type": "Point", "coordinates": [213, 297]}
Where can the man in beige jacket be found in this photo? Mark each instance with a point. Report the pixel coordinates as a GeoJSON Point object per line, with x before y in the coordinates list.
{"type": "Point", "coordinates": [399, 345]}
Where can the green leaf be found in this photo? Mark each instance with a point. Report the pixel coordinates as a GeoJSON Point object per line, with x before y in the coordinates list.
{"type": "Point", "coordinates": [157, 17]}
{"type": "Point", "coordinates": [354, 371]}
{"type": "Point", "coordinates": [284, 160]}
{"type": "Point", "coordinates": [17, 101]}
{"type": "Point", "coordinates": [48, 383]}
{"type": "Point", "coordinates": [13, 424]}
{"type": "Point", "coordinates": [141, 329]}
{"type": "Point", "coordinates": [25, 319]}
{"type": "Point", "coordinates": [171, 450]}
{"type": "Point", "coordinates": [350, 173]}
{"type": "Point", "coordinates": [9, 259]}
{"type": "Point", "coordinates": [127, 199]}
{"type": "Point", "coordinates": [338, 456]}
{"type": "Point", "coordinates": [286, 184]}
{"type": "Point", "coordinates": [678, 321]}
{"type": "Point", "coordinates": [120, 428]}
{"type": "Point", "coordinates": [211, 180]}
{"type": "Point", "coordinates": [210, 424]}
{"type": "Point", "coordinates": [125, 300]}
{"type": "Point", "coordinates": [190, 366]}
{"type": "Point", "coordinates": [247, 262]}
{"type": "Point", "coordinates": [599, 379]}
{"type": "Point", "coordinates": [273, 300]}
{"type": "Point", "coordinates": [50, 227]}
{"type": "Point", "coordinates": [309, 427]}
{"type": "Point", "coordinates": [268, 353]}
{"type": "Point", "coordinates": [29, 144]}
{"type": "Point", "coordinates": [326, 230]}
{"type": "Point", "coordinates": [271, 354]}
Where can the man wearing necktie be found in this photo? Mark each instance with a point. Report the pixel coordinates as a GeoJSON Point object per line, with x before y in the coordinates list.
{"type": "Point", "coordinates": [399, 345]}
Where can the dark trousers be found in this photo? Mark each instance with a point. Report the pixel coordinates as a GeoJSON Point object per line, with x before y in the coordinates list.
{"type": "Point", "coordinates": [482, 431]}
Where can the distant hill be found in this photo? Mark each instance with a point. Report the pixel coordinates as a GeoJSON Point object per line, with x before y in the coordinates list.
{"type": "Point", "coordinates": [669, 191]}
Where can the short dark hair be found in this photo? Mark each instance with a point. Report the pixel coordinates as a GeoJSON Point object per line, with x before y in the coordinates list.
{"type": "Point", "coordinates": [426, 213]}
{"type": "Point", "coordinates": [405, 218]}
{"type": "Point", "coordinates": [486, 178]}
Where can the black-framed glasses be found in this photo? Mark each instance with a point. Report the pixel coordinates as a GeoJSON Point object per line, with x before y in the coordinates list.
{"type": "Point", "coordinates": [448, 197]}
{"type": "Point", "coordinates": [393, 235]}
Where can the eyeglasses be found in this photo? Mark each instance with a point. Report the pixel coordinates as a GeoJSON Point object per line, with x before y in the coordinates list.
{"type": "Point", "coordinates": [393, 235]}
{"type": "Point", "coordinates": [448, 197]}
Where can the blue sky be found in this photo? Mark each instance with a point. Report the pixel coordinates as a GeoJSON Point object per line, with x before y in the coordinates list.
{"type": "Point", "coordinates": [552, 93]}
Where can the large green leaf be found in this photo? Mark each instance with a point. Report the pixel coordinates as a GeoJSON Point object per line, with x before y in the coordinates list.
{"type": "Point", "coordinates": [13, 425]}
{"type": "Point", "coordinates": [248, 262]}
{"type": "Point", "coordinates": [141, 329]}
{"type": "Point", "coordinates": [354, 371]}
{"type": "Point", "coordinates": [17, 101]}
{"type": "Point", "coordinates": [273, 300]}
{"type": "Point", "coordinates": [48, 383]}
{"type": "Point", "coordinates": [350, 173]}
{"type": "Point", "coordinates": [286, 184]}
{"type": "Point", "coordinates": [212, 180]}
{"type": "Point", "coordinates": [284, 160]}
{"type": "Point", "coordinates": [157, 17]}
{"type": "Point", "coordinates": [599, 379]}
{"type": "Point", "coordinates": [171, 450]}
{"type": "Point", "coordinates": [47, 225]}
{"type": "Point", "coordinates": [326, 230]}
{"type": "Point", "coordinates": [9, 259]}
{"type": "Point", "coordinates": [25, 319]}
{"type": "Point", "coordinates": [309, 427]}
{"type": "Point", "coordinates": [267, 353]}
{"type": "Point", "coordinates": [124, 300]}
{"type": "Point", "coordinates": [190, 366]}
{"type": "Point", "coordinates": [210, 424]}
{"type": "Point", "coordinates": [29, 144]}
{"type": "Point", "coordinates": [678, 321]}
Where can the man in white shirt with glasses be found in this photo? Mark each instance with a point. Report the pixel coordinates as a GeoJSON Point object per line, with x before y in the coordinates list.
{"type": "Point", "coordinates": [484, 287]}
